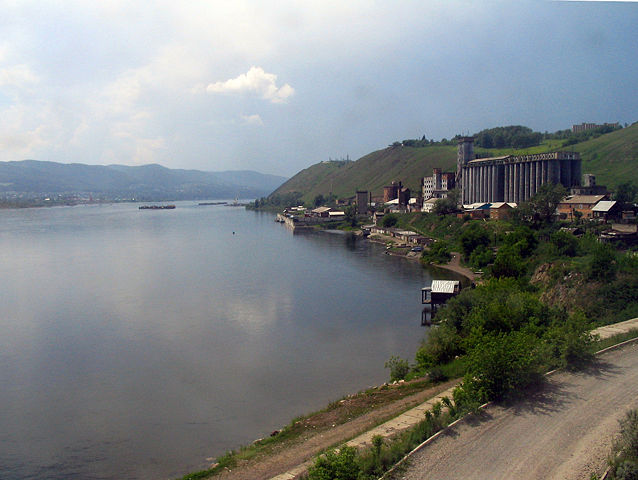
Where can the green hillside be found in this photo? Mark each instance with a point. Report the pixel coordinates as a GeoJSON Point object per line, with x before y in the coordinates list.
{"type": "Point", "coordinates": [371, 172]}
{"type": "Point", "coordinates": [612, 157]}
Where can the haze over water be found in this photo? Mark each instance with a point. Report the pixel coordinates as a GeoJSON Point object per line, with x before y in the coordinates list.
{"type": "Point", "coordinates": [135, 344]}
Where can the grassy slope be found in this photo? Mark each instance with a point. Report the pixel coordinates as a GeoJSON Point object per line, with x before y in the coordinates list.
{"type": "Point", "coordinates": [613, 158]}
{"type": "Point", "coordinates": [371, 172]}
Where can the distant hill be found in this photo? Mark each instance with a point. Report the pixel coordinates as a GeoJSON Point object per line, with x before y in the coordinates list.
{"type": "Point", "coordinates": [30, 178]}
{"type": "Point", "coordinates": [371, 172]}
{"type": "Point", "coordinates": [612, 157]}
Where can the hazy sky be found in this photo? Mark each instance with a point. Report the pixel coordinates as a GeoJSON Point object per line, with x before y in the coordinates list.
{"type": "Point", "coordinates": [276, 86]}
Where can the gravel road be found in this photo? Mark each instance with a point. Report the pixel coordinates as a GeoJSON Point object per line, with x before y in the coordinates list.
{"type": "Point", "coordinates": [564, 431]}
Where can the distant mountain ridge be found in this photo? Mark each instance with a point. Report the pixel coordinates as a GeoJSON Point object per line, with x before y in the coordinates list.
{"type": "Point", "coordinates": [147, 182]}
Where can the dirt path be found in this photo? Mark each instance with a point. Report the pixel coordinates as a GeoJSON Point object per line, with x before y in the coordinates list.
{"type": "Point", "coordinates": [562, 432]}
{"type": "Point", "coordinates": [455, 266]}
{"type": "Point", "coordinates": [293, 453]}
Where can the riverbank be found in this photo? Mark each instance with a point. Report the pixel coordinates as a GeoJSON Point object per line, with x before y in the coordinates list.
{"type": "Point", "coordinates": [387, 411]}
{"type": "Point", "coordinates": [454, 265]}
{"type": "Point", "coordinates": [295, 446]}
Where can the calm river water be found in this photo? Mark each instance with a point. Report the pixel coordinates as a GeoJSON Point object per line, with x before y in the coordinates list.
{"type": "Point", "coordinates": [135, 344]}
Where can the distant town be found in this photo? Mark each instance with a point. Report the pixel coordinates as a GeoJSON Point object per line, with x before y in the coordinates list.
{"type": "Point", "coordinates": [484, 188]}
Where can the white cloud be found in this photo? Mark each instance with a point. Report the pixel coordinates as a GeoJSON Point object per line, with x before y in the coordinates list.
{"type": "Point", "coordinates": [17, 76]}
{"type": "Point", "coordinates": [255, 81]}
{"type": "Point", "coordinates": [251, 120]}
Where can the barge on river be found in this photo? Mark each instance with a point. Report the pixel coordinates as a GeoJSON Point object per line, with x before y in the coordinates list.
{"type": "Point", "coordinates": [157, 207]}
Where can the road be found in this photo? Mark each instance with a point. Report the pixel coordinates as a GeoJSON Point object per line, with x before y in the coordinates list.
{"type": "Point", "coordinates": [564, 431]}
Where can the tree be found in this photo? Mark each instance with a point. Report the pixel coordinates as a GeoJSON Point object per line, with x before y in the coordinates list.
{"type": "Point", "coordinates": [319, 200]}
{"type": "Point", "coordinates": [566, 243]}
{"type": "Point", "coordinates": [602, 265]}
{"type": "Point", "coordinates": [508, 263]}
{"type": "Point", "coordinates": [389, 221]}
{"type": "Point", "coordinates": [498, 364]}
{"type": "Point", "coordinates": [540, 209]}
{"type": "Point", "coordinates": [447, 205]}
{"type": "Point", "coordinates": [351, 215]}
{"type": "Point", "coordinates": [473, 236]}
{"type": "Point", "coordinates": [626, 193]}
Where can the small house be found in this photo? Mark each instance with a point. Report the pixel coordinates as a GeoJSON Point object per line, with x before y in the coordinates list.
{"type": "Point", "coordinates": [435, 296]}
{"type": "Point", "coordinates": [607, 209]}
{"type": "Point", "coordinates": [501, 210]}
{"type": "Point", "coordinates": [321, 212]}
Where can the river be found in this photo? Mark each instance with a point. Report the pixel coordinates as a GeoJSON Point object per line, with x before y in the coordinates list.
{"type": "Point", "coordinates": [138, 343]}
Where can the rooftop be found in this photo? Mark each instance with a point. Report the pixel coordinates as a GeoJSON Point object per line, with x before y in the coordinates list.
{"type": "Point", "coordinates": [443, 286]}
{"type": "Point", "coordinates": [583, 199]}
{"type": "Point", "coordinates": [604, 206]}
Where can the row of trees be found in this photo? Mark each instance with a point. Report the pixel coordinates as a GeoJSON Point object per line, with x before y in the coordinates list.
{"type": "Point", "coordinates": [515, 136]}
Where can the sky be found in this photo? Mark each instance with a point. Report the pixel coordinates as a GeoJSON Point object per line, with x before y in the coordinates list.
{"type": "Point", "coordinates": [276, 86]}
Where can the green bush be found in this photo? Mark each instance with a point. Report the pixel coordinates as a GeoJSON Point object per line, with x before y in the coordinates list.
{"type": "Point", "coordinates": [625, 463]}
{"type": "Point", "coordinates": [602, 265]}
{"type": "Point", "coordinates": [399, 368]}
{"type": "Point", "coordinates": [498, 364]}
{"type": "Point", "coordinates": [565, 243]}
{"type": "Point", "coordinates": [389, 221]}
{"type": "Point", "coordinates": [508, 263]}
{"type": "Point", "coordinates": [481, 257]}
{"type": "Point", "coordinates": [472, 237]}
{"type": "Point", "coordinates": [341, 465]}
{"type": "Point", "coordinates": [439, 252]}
{"type": "Point", "coordinates": [627, 470]}
{"type": "Point", "coordinates": [441, 345]}
{"type": "Point", "coordinates": [569, 342]}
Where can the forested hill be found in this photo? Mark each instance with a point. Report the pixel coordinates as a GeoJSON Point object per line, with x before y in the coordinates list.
{"type": "Point", "coordinates": [612, 157]}
{"type": "Point", "coordinates": [30, 178]}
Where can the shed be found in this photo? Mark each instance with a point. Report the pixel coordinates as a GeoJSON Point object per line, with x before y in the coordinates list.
{"type": "Point", "coordinates": [606, 209]}
{"type": "Point", "coordinates": [435, 296]}
{"type": "Point", "coordinates": [321, 211]}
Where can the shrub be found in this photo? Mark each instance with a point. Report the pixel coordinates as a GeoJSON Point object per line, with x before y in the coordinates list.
{"type": "Point", "coordinates": [499, 364]}
{"type": "Point", "coordinates": [602, 265]}
{"type": "Point", "coordinates": [508, 264]}
{"type": "Point", "coordinates": [566, 243]}
{"type": "Point", "coordinates": [570, 342]}
{"type": "Point", "coordinates": [629, 434]}
{"type": "Point", "coordinates": [399, 368]}
{"type": "Point", "coordinates": [341, 465]}
{"type": "Point", "coordinates": [441, 346]}
{"type": "Point", "coordinates": [439, 252]}
{"type": "Point", "coordinates": [627, 470]}
{"type": "Point", "coordinates": [473, 236]}
{"type": "Point", "coordinates": [389, 221]}
{"type": "Point", "coordinates": [437, 375]}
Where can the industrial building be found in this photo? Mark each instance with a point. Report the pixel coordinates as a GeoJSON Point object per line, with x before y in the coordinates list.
{"type": "Point", "coordinates": [438, 185]}
{"type": "Point", "coordinates": [512, 178]}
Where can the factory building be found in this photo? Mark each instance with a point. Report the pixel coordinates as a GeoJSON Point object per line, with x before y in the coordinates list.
{"type": "Point", "coordinates": [438, 185]}
{"type": "Point", "coordinates": [512, 179]}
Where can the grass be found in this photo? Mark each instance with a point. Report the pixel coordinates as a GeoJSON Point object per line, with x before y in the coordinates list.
{"type": "Point", "coordinates": [615, 340]}
{"type": "Point", "coordinates": [335, 413]}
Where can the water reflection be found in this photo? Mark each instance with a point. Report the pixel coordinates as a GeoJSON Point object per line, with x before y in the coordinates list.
{"type": "Point", "coordinates": [137, 344]}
